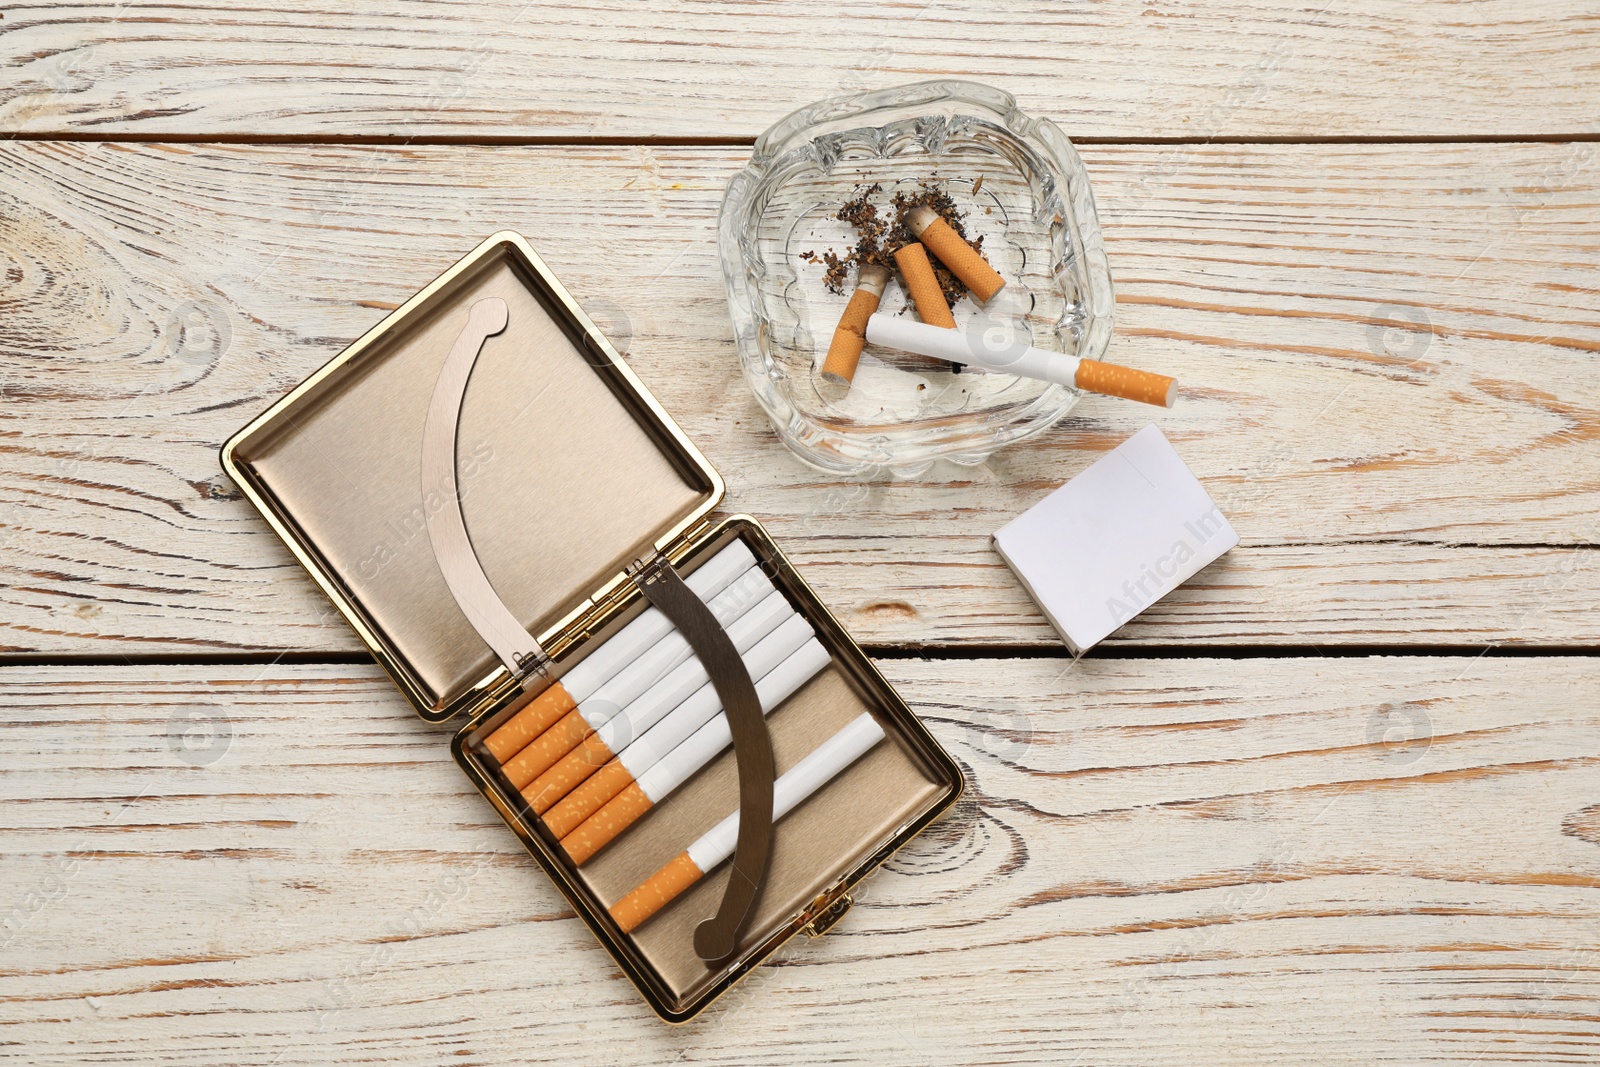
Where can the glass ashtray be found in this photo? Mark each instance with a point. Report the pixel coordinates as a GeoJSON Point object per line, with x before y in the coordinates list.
{"type": "Point", "coordinates": [1020, 186]}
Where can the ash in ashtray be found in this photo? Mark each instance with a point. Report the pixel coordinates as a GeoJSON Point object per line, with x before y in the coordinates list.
{"type": "Point", "coordinates": [881, 231]}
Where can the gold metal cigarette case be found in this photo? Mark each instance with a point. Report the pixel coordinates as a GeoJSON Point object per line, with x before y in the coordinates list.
{"type": "Point", "coordinates": [573, 483]}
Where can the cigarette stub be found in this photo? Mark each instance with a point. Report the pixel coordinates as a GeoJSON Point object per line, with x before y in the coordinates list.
{"type": "Point", "coordinates": [989, 348]}
{"type": "Point", "coordinates": [823, 764]}
{"type": "Point", "coordinates": [850, 336]}
{"type": "Point", "coordinates": [629, 683]}
{"type": "Point", "coordinates": [593, 750]}
{"type": "Point", "coordinates": [579, 683]}
{"type": "Point", "coordinates": [923, 285]}
{"type": "Point", "coordinates": [679, 765]}
{"type": "Point", "coordinates": [650, 732]}
{"type": "Point", "coordinates": [962, 259]}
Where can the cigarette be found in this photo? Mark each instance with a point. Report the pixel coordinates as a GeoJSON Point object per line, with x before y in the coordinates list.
{"type": "Point", "coordinates": [849, 337]}
{"type": "Point", "coordinates": [982, 348]}
{"type": "Point", "coordinates": [579, 683]}
{"type": "Point", "coordinates": [626, 685]}
{"type": "Point", "coordinates": [923, 285]}
{"type": "Point", "coordinates": [677, 766]}
{"type": "Point", "coordinates": [963, 260]}
{"type": "Point", "coordinates": [820, 767]}
{"type": "Point", "coordinates": [590, 754]}
{"type": "Point", "coordinates": [625, 748]}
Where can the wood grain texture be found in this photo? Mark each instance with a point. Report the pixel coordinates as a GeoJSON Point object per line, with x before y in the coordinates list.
{"type": "Point", "coordinates": [1389, 350]}
{"type": "Point", "coordinates": [676, 69]}
{"type": "Point", "coordinates": [1157, 861]}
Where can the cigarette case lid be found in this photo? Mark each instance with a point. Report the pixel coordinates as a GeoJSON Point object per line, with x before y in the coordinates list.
{"type": "Point", "coordinates": [569, 473]}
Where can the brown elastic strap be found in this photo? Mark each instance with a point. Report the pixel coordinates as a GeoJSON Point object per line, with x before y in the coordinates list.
{"type": "Point", "coordinates": [716, 938]}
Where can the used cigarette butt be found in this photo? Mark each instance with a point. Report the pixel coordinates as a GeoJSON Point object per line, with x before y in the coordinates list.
{"type": "Point", "coordinates": [580, 682]}
{"type": "Point", "coordinates": [823, 764]}
{"type": "Point", "coordinates": [1141, 385]}
{"type": "Point", "coordinates": [850, 336]}
{"type": "Point", "coordinates": [954, 252]}
{"type": "Point", "coordinates": [923, 285]}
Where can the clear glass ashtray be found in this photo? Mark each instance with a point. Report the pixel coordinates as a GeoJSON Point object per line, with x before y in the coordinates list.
{"type": "Point", "coordinates": [1017, 183]}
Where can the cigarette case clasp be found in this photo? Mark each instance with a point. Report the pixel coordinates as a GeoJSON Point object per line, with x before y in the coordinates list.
{"type": "Point", "coordinates": [826, 913]}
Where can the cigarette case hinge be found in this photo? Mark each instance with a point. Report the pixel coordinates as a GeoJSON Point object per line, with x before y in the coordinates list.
{"type": "Point", "coordinates": [592, 616]}
{"type": "Point", "coordinates": [642, 568]}
{"type": "Point", "coordinates": [678, 548]}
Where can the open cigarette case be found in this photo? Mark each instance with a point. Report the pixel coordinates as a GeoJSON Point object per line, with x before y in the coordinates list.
{"type": "Point", "coordinates": [579, 507]}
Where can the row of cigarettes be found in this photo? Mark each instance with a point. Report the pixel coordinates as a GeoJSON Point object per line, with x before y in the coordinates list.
{"type": "Point", "coordinates": [638, 717]}
{"type": "Point", "coordinates": [937, 336]}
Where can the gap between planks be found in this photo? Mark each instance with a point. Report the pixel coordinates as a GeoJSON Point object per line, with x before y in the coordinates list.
{"type": "Point", "coordinates": [928, 653]}
{"type": "Point", "coordinates": [743, 141]}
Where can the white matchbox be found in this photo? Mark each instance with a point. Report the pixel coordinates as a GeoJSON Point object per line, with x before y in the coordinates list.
{"type": "Point", "coordinates": [1115, 539]}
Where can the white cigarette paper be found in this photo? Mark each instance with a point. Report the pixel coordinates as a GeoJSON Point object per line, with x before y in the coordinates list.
{"type": "Point", "coordinates": [654, 732]}
{"type": "Point", "coordinates": [610, 760]}
{"type": "Point", "coordinates": [822, 765]}
{"type": "Point", "coordinates": [752, 588]}
{"type": "Point", "coordinates": [992, 345]}
{"type": "Point", "coordinates": [992, 348]}
{"type": "Point", "coordinates": [597, 668]}
{"type": "Point", "coordinates": [679, 765]}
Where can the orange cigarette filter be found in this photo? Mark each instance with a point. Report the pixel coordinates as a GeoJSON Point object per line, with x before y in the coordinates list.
{"type": "Point", "coordinates": [569, 772]}
{"type": "Point", "coordinates": [850, 336]}
{"type": "Point", "coordinates": [962, 259]}
{"type": "Point", "coordinates": [540, 754]}
{"type": "Point", "coordinates": [656, 892]}
{"type": "Point", "coordinates": [601, 828]}
{"type": "Point", "coordinates": [542, 712]}
{"type": "Point", "coordinates": [923, 285]}
{"type": "Point", "coordinates": [586, 799]}
{"type": "Point", "coordinates": [1113, 380]}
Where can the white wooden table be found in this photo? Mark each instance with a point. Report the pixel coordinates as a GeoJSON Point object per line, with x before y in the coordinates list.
{"type": "Point", "coordinates": [1336, 801]}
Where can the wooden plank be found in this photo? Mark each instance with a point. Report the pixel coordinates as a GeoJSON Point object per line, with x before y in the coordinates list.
{"type": "Point", "coordinates": [677, 69]}
{"type": "Point", "coordinates": [1391, 350]}
{"type": "Point", "coordinates": [1157, 861]}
